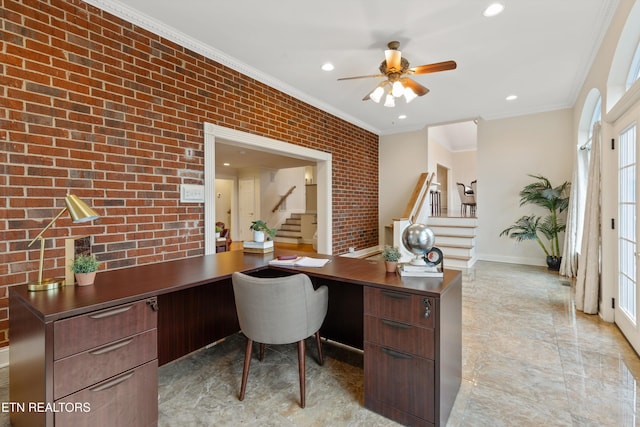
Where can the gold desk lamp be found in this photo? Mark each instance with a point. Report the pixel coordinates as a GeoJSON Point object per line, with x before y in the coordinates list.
{"type": "Point", "coordinates": [79, 212]}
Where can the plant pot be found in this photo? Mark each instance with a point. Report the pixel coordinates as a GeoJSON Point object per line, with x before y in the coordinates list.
{"type": "Point", "coordinates": [553, 262]}
{"type": "Point", "coordinates": [217, 235]}
{"type": "Point", "coordinates": [391, 266]}
{"type": "Point", "coordinates": [85, 279]}
{"type": "Point", "coordinates": [258, 236]}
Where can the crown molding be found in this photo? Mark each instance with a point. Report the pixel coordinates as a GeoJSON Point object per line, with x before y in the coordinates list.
{"type": "Point", "coordinates": [135, 17]}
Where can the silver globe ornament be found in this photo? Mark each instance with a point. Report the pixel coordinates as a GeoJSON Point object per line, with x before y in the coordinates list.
{"type": "Point", "coordinates": [418, 239]}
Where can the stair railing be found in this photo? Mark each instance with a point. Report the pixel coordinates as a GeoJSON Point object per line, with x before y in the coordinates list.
{"type": "Point", "coordinates": [283, 198]}
{"type": "Point", "coordinates": [419, 197]}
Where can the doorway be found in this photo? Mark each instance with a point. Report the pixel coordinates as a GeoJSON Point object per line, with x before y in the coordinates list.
{"type": "Point", "coordinates": [323, 169]}
{"type": "Point", "coordinates": [442, 178]}
{"type": "Point", "coordinates": [626, 314]}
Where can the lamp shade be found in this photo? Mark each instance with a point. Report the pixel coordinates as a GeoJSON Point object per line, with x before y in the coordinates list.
{"type": "Point", "coordinates": [79, 210]}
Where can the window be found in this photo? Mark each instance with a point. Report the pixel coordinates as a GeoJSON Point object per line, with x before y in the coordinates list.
{"type": "Point", "coordinates": [634, 70]}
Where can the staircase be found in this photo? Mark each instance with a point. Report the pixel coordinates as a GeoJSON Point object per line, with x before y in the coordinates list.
{"type": "Point", "coordinates": [456, 238]}
{"type": "Point", "coordinates": [291, 230]}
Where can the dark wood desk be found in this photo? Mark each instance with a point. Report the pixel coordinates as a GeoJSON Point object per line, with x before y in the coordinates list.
{"type": "Point", "coordinates": [141, 317]}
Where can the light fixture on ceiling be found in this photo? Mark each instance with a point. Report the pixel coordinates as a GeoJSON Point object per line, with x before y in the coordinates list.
{"type": "Point", "coordinates": [327, 66]}
{"type": "Point", "coordinates": [397, 89]}
{"type": "Point", "coordinates": [396, 69]}
{"type": "Point", "coordinates": [493, 9]}
{"type": "Point", "coordinates": [402, 116]}
{"type": "Point", "coordinates": [511, 97]}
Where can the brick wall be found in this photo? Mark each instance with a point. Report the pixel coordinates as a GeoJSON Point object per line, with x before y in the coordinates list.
{"type": "Point", "coordinates": [96, 106]}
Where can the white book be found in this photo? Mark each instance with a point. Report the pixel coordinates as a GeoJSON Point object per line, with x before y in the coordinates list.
{"type": "Point", "coordinates": [258, 245]}
{"type": "Point", "coordinates": [301, 261]}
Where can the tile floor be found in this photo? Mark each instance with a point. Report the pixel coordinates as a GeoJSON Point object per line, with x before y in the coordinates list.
{"type": "Point", "coordinates": [529, 359]}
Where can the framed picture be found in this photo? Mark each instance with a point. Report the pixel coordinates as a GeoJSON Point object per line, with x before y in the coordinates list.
{"type": "Point", "coordinates": [72, 248]}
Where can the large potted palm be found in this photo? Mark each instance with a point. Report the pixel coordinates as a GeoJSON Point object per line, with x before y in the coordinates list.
{"type": "Point", "coordinates": [529, 227]}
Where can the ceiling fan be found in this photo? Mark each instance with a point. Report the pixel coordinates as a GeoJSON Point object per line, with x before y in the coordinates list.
{"type": "Point", "coordinates": [396, 69]}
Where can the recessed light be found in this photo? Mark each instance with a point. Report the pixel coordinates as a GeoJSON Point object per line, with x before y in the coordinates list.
{"type": "Point", "coordinates": [493, 9]}
{"type": "Point", "coordinates": [226, 164]}
{"type": "Point", "coordinates": [511, 97]}
{"type": "Point", "coordinates": [327, 66]}
{"type": "Point", "coordinates": [402, 116]}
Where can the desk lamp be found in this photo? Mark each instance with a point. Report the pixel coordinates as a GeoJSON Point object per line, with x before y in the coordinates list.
{"type": "Point", "coordinates": [79, 212]}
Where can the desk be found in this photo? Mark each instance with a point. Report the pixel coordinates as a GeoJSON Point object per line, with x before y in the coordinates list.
{"type": "Point", "coordinates": [183, 305]}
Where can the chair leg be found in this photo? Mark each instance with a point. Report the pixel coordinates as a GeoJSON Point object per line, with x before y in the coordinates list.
{"type": "Point", "coordinates": [319, 344]}
{"type": "Point", "coordinates": [301, 370]}
{"type": "Point", "coordinates": [245, 369]}
{"type": "Point", "coordinates": [261, 355]}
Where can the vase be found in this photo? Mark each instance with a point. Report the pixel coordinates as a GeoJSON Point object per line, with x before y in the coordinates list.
{"type": "Point", "coordinates": [391, 266]}
{"type": "Point", "coordinates": [258, 236]}
{"type": "Point", "coordinates": [553, 262]}
{"type": "Point", "coordinates": [85, 279]}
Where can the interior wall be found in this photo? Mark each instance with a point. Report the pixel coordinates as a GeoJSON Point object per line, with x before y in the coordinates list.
{"type": "Point", "coordinates": [224, 198]}
{"type": "Point", "coordinates": [275, 184]}
{"type": "Point", "coordinates": [403, 157]}
{"type": "Point", "coordinates": [508, 150]}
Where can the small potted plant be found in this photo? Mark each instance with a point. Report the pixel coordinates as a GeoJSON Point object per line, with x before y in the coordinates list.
{"type": "Point", "coordinates": [260, 230]}
{"type": "Point", "coordinates": [85, 267]}
{"type": "Point", "coordinates": [218, 231]}
{"type": "Point", "coordinates": [391, 256]}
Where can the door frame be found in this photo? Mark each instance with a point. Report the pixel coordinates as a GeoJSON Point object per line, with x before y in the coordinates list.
{"type": "Point", "coordinates": [626, 326]}
{"type": "Point", "coordinates": [323, 162]}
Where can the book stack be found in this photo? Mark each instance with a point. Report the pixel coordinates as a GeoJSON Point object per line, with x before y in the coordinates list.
{"type": "Point", "coordinates": [258, 247]}
{"type": "Point", "coordinates": [409, 270]}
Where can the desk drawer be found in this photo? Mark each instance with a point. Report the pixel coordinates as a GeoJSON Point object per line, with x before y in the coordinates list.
{"type": "Point", "coordinates": [91, 330]}
{"type": "Point", "coordinates": [400, 336]}
{"type": "Point", "coordinates": [400, 306]}
{"type": "Point", "coordinates": [129, 399]}
{"type": "Point", "coordinates": [81, 370]}
{"type": "Point", "coordinates": [400, 381]}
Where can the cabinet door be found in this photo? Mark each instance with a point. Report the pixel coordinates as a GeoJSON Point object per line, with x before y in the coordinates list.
{"type": "Point", "coordinates": [400, 381]}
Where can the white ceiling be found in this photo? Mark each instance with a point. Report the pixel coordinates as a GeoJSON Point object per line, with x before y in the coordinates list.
{"type": "Point", "coordinates": [539, 50]}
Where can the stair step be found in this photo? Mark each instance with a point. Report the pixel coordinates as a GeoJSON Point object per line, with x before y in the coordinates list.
{"type": "Point", "coordinates": [285, 239]}
{"type": "Point", "coordinates": [290, 227]}
{"type": "Point", "coordinates": [288, 233]}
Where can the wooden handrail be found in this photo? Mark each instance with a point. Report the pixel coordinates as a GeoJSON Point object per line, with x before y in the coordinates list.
{"type": "Point", "coordinates": [419, 195]}
{"type": "Point", "coordinates": [283, 198]}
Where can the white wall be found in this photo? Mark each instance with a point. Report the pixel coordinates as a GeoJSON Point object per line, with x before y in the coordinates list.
{"type": "Point", "coordinates": [508, 150]}
{"type": "Point", "coordinates": [275, 184]}
{"type": "Point", "coordinates": [402, 158]}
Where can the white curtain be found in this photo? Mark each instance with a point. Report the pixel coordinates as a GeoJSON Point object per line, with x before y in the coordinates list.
{"type": "Point", "coordinates": [588, 281]}
{"type": "Point", "coordinates": [569, 264]}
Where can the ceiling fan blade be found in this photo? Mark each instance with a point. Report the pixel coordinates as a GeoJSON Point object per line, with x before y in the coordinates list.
{"type": "Point", "coordinates": [361, 77]}
{"type": "Point", "coordinates": [434, 68]}
{"type": "Point", "coordinates": [416, 87]}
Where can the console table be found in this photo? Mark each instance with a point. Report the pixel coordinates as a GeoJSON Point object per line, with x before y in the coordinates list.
{"type": "Point", "coordinates": [89, 355]}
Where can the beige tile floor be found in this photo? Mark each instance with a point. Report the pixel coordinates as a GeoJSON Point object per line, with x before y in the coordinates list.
{"type": "Point", "coordinates": [529, 359]}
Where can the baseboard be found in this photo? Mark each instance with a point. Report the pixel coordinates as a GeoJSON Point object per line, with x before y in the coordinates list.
{"type": "Point", "coordinates": [4, 357]}
{"type": "Point", "coordinates": [512, 260]}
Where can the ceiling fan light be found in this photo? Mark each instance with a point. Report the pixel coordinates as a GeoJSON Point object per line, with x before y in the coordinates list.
{"type": "Point", "coordinates": [376, 95]}
{"type": "Point", "coordinates": [409, 94]}
{"type": "Point", "coordinates": [393, 58]}
{"type": "Point", "coordinates": [397, 89]}
{"type": "Point", "coordinates": [389, 101]}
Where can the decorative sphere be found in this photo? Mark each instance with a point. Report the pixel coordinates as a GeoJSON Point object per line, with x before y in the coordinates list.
{"type": "Point", "coordinates": [418, 238]}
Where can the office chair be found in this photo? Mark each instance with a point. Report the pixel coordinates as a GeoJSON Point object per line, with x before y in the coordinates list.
{"type": "Point", "coordinates": [279, 310]}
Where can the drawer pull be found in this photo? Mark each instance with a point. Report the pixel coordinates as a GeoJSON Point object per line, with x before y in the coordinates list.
{"type": "Point", "coordinates": [395, 295]}
{"type": "Point", "coordinates": [395, 324]}
{"type": "Point", "coordinates": [114, 382]}
{"type": "Point", "coordinates": [396, 354]}
{"type": "Point", "coordinates": [111, 347]}
{"type": "Point", "coordinates": [111, 312]}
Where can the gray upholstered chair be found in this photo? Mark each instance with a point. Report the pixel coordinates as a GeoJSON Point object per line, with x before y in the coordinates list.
{"type": "Point", "coordinates": [279, 310]}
